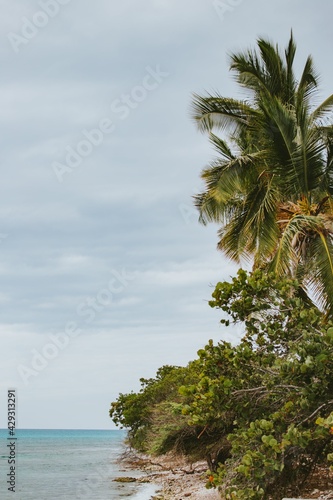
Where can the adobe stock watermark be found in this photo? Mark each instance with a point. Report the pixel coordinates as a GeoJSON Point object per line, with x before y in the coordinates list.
{"type": "Point", "coordinates": [122, 108]}
{"type": "Point", "coordinates": [30, 28]}
{"type": "Point", "coordinates": [87, 309]}
{"type": "Point", "coordinates": [188, 213]}
{"type": "Point", "coordinates": [12, 440]}
{"type": "Point", "coordinates": [223, 7]}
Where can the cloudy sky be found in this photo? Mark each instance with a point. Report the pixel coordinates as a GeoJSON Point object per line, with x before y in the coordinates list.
{"type": "Point", "coordinates": [105, 271]}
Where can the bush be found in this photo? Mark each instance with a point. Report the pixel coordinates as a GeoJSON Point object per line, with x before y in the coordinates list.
{"type": "Point", "coordinates": [259, 411]}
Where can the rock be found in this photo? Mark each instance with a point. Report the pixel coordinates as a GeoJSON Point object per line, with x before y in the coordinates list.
{"type": "Point", "coordinates": [125, 479]}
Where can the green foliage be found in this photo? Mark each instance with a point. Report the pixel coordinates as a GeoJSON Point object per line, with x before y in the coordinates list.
{"type": "Point", "coordinates": [259, 411]}
{"type": "Point", "coordinates": [153, 415]}
{"type": "Point", "coordinates": [269, 389]}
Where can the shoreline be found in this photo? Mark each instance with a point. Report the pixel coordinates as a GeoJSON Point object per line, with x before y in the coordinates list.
{"type": "Point", "coordinates": [171, 477]}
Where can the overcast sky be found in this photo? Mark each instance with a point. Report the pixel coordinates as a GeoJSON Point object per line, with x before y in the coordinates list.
{"type": "Point", "coordinates": [105, 271]}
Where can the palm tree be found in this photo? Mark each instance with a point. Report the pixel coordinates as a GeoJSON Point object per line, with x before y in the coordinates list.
{"type": "Point", "coordinates": [271, 185]}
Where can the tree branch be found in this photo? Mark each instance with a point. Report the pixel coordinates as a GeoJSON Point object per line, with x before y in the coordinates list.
{"type": "Point", "coordinates": [315, 412]}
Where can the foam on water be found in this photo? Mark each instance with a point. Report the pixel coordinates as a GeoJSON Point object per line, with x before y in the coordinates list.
{"type": "Point", "coordinates": [145, 493]}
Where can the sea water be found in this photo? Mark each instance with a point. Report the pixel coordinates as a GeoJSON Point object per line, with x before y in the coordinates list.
{"type": "Point", "coordinates": [66, 464]}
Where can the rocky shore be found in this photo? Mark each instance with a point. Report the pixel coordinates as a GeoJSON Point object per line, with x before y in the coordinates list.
{"type": "Point", "coordinates": [175, 479]}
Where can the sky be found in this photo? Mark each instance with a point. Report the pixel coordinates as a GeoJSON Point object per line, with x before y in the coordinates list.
{"type": "Point", "coordinates": [105, 271]}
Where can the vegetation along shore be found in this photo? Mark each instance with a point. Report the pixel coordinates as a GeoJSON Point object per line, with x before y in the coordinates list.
{"type": "Point", "coordinates": [253, 419]}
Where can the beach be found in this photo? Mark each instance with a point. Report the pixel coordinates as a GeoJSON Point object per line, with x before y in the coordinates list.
{"type": "Point", "coordinates": [172, 477]}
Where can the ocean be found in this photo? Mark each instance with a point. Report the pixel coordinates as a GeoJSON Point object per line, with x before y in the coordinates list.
{"type": "Point", "coordinates": [66, 464]}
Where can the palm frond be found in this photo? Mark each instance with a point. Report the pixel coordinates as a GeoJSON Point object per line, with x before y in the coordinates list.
{"type": "Point", "coordinates": [308, 164]}
{"type": "Point", "coordinates": [221, 146]}
{"type": "Point", "coordinates": [307, 84]}
{"type": "Point", "coordinates": [322, 110]}
{"type": "Point", "coordinates": [280, 123]}
{"type": "Point", "coordinates": [233, 238]}
{"type": "Point", "coordinates": [220, 113]}
{"type": "Point", "coordinates": [274, 70]}
{"type": "Point", "coordinates": [225, 180]}
{"type": "Point", "coordinates": [264, 219]}
{"type": "Point", "coordinates": [252, 228]}
{"type": "Point", "coordinates": [320, 280]}
{"type": "Point", "coordinates": [209, 209]}
{"type": "Point", "coordinates": [248, 69]}
{"type": "Point", "coordinates": [291, 82]}
{"type": "Point", "coordinates": [287, 258]}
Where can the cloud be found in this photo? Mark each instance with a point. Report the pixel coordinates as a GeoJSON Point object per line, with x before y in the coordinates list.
{"type": "Point", "coordinates": [128, 204]}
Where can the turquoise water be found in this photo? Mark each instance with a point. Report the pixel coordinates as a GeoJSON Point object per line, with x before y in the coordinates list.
{"type": "Point", "coordinates": [67, 464]}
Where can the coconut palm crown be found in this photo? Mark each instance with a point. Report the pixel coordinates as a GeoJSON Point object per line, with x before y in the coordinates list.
{"type": "Point", "coordinates": [271, 185]}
